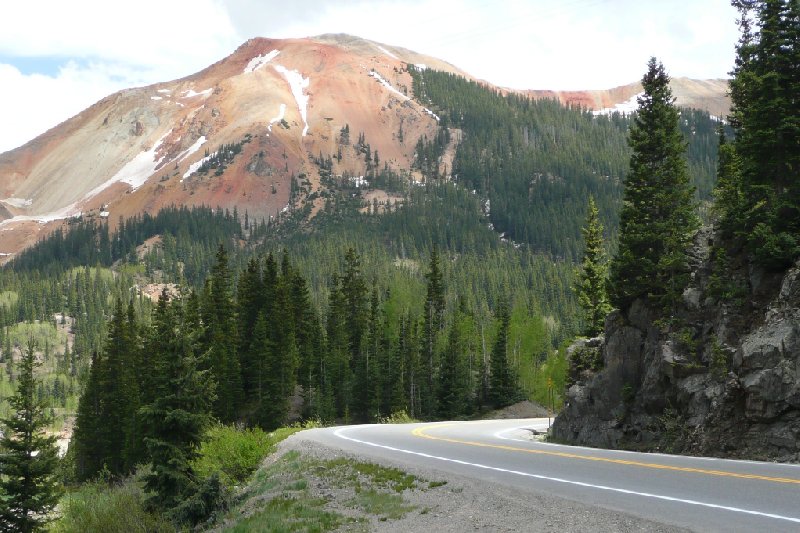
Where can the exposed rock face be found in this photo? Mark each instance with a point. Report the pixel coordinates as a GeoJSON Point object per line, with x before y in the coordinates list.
{"type": "Point", "coordinates": [720, 378]}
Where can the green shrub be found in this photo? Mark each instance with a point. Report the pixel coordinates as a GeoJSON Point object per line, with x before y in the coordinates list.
{"type": "Point", "coordinates": [100, 507]}
{"type": "Point", "coordinates": [234, 453]}
{"type": "Point", "coordinates": [398, 417]}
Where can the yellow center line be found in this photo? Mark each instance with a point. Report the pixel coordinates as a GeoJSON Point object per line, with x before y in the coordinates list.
{"type": "Point", "coordinates": [421, 432]}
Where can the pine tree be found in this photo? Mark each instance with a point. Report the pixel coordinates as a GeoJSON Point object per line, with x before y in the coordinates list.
{"type": "Point", "coordinates": [29, 457]}
{"type": "Point", "coordinates": [765, 114]}
{"type": "Point", "coordinates": [222, 339]}
{"type": "Point", "coordinates": [502, 387]}
{"type": "Point", "coordinates": [593, 273]}
{"type": "Point", "coordinates": [729, 199]}
{"type": "Point", "coordinates": [180, 411]}
{"type": "Point", "coordinates": [658, 219]}
{"type": "Point", "coordinates": [89, 450]}
{"type": "Point", "coordinates": [432, 326]}
{"type": "Point", "coordinates": [453, 380]}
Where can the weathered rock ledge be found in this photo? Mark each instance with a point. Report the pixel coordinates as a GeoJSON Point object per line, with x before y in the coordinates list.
{"type": "Point", "coordinates": [721, 377]}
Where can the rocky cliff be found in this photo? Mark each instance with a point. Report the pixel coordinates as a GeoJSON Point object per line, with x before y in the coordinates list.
{"type": "Point", "coordinates": [720, 377]}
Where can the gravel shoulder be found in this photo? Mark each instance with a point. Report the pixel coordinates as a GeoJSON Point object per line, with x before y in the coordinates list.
{"type": "Point", "coordinates": [465, 504]}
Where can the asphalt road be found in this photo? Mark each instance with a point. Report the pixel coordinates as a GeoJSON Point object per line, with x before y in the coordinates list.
{"type": "Point", "coordinates": [699, 493]}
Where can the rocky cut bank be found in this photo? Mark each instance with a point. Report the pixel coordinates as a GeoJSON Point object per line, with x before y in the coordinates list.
{"type": "Point", "coordinates": [720, 377]}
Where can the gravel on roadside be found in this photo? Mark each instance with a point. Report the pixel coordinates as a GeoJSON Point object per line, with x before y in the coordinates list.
{"type": "Point", "coordinates": [466, 504]}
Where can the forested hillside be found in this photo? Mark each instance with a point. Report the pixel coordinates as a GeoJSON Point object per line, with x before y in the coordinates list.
{"type": "Point", "coordinates": [537, 162]}
{"type": "Point", "coordinates": [372, 297]}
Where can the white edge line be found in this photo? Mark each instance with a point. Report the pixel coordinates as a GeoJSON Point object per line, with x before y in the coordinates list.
{"type": "Point", "coordinates": [339, 433]}
{"type": "Point", "coordinates": [499, 435]}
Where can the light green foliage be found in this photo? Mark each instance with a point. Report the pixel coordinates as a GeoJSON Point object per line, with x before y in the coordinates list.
{"type": "Point", "coordinates": [116, 508]}
{"type": "Point", "coordinates": [235, 453]}
{"type": "Point", "coordinates": [398, 417]}
{"type": "Point", "coordinates": [552, 370]}
{"type": "Point", "coordinates": [43, 333]}
{"type": "Point", "coordinates": [8, 298]}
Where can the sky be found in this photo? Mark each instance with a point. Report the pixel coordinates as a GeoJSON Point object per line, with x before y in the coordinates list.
{"type": "Point", "coordinates": [57, 57]}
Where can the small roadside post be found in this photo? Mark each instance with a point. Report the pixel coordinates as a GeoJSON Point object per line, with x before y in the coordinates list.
{"type": "Point", "coordinates": [549, 400]}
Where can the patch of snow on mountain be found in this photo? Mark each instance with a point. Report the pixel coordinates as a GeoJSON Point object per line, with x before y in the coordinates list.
{"type": "Point", "coordinates": [431, 113]}
{"type": "Point", "coordinates": [191, 94]}
{"type": "Point", "coordinates": [194, 167]}
{"type": "Point", "coordinates": [259, 61]}
{"type": "Point", "coordinates": [298, 84]}
{"type": "Point", "coordinates": [155, 98]}
{"type": "Point", "coordinates": [18, 202]}
{"type": "Point", "coordinates": [69, 211]}
{"type": "Point", "coordinates": [280, 116]}
{"type": "Point", "coordinates": [628, 106]}
{"type": "Point", "coordinates": [136, 171]}
{"type": "Point", "coordinates": [385, 51]}
{"type": "Point", "coordinates": [421, 66]}
{"type": "Point", "coordinates": [192, 149]}
{"type": "Point", "coordinates": [387, 85]}
{"type": "Point", "coordinates": [164, 91]}
{"type": "Point", "coordinates": [359, 181]}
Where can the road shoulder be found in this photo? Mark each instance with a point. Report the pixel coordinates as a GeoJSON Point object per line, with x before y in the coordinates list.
{"type": "Point", "coordinates": [465, 504]}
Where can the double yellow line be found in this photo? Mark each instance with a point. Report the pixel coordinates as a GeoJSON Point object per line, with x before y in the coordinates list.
{"type": "Point", "coordinates": [421, 432]}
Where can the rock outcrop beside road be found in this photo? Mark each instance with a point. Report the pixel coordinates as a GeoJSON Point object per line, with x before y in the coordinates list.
{"type": "Point", "coordinates": [718, 378]}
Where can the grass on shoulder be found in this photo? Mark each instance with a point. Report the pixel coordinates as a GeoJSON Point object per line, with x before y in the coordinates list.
{"type": "Point", "coordinates": [303, 493]}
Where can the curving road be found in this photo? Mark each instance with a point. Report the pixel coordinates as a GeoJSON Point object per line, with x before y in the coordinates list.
{"type": "Point", "coordinates": [703, 494]}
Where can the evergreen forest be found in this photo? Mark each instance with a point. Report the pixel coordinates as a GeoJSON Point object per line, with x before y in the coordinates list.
{"type": "Point", "coordinates": [457, 297]}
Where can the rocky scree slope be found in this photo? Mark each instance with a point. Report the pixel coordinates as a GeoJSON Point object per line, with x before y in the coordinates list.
{"type": "Point", "coordinates": [718, 378]}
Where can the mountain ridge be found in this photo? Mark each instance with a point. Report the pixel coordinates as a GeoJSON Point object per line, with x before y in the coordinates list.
{"type": "Point", "coordinates": [281, 102]}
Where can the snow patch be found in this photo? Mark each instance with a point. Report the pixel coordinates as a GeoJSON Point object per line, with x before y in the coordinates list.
{"type": "Point", "coordinates": [164, 91]}
{"type": "Point", "coordinates": [387, 85]}
{"type": "Point", "coordinates": [298, 84]}
{"type": "Point", "coordinates": [431, 113]}
{"type": "Point", "coordinates": [156, 98]}
{"type": "Point", "coordinates": [192, 149]}
{"type": "Point", "coordinates": [280, 116]}
{"type": "Point", "coordinates": [628, 106]}
{"type": "Point", "coordinates": [359, 181]}
{"type": "Point", "coordinates": [194, 167]}
{"type": "Point", "coordinates": [385, 51]}
{"type": "Point", "coordinates": [18, 202]}
{"type": "Point", "coordinates": [191, 94]}
{"type": "Point", "coordinates": [259, 61]}
{"type": "Point", "coordinates": [136, 171]}
{"type": "Point", "coordinates": [421, 66]}
{"type": "Point", "coordinates": [104, 214]}
{"type": "Point", "coordinates": [60, 214]}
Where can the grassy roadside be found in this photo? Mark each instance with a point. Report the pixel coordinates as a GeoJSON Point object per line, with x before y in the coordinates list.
{"type": "Point", "coordinates": [300, 492]}
{"type": "Point", "coordinates": [294, 492]}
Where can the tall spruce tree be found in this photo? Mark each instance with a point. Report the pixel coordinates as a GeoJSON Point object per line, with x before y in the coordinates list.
{"type": "Point", "coordinates": [89, 449]}
{"type": "Point", "coordinates": [180, 410]}
{"type": "Point", "coordinates": [433, 323]}
{"type": "Point", "coordinates": [765, 115]}
{"type": "Point", "coordinates": [29, 458]}
{"type": "Point", "coordinates": [658, 216]}
{"type": "Point", "coordinates": [502, 386]}
{"type": "Point", "coordinates": [222, 340]}
{"type": "Point", "coordinates": [592, 277]}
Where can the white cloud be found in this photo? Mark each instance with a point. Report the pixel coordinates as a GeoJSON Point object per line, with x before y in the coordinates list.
{"type": "Point", "coordinates": [34, 103]}
{"type": "Point", "coordinates": [558, 44]}
{"type": "Point", "coordinates": [152, 33]}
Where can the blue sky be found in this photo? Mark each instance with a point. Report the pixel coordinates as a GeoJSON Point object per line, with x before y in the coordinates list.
{"type": "Point", "coordinates": [57, 58]}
